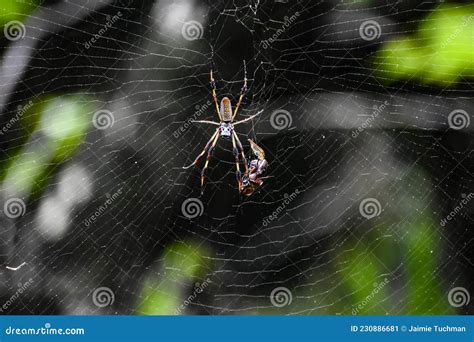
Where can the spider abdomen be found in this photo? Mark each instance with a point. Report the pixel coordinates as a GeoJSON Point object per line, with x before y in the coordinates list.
{"type": "Point", "coordinates": [226, 109]}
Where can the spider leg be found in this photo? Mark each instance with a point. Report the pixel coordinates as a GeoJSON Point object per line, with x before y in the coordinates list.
{"type": "Point", "coordinates": [203, 151]}
{"type": "Point", "coordinates": [242, 93]}
{"type": "Point", "coordinates": [209, 156]}
{"type": "Point", "coordinates": [248, 119]}
{"type": "Point", "coordinates": [238, 174]}
{"type": "Point", "coordinates": [239, 144]}
{"type": "Point", "coordinates": [206, 121]}
{"type": "Point", "coordinates": [214, 95]}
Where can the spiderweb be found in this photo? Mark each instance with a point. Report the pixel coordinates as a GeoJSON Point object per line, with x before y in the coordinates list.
{"type": "Point", "coordinates": [364, 166]}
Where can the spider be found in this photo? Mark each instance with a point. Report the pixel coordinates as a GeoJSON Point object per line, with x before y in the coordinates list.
{"type": "Point", "coordinates": [226, 130]}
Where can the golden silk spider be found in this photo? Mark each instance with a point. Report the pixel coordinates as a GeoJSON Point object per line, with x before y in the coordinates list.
{"type": "Point", "coordinates": [253, 172]}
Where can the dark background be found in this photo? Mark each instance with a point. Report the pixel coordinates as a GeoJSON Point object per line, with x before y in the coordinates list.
{"type": "Point", "coordinates": [152, 79]}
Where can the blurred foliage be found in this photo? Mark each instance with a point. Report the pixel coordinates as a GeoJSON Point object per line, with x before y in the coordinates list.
{"type": "Point", "coordinates": [365, 263]}
{"type": "Point", "coordinates": [366, 284]}
{"type": "Point", "coordinates": [53, 128]}
{"type": "Point", "coordinates": [440, 52]}
{"type": "Point", "coordinates": [183, 263]}
{"type": "Point", "coordinates": [16, 9]}
{"type": "Point", "coordinates": [362, 277]}
{"type": "Point", "coordinates": [424, 292]}
{"type": "Point", "coordinates": [65, 122]}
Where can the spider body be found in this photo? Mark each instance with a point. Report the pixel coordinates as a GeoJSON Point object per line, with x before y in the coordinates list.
{"type": "Point", "coordinates": [226, 130]}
